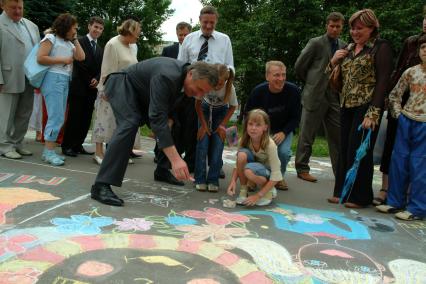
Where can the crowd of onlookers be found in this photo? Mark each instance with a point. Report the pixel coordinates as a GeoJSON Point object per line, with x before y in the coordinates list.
{"type": "Point", "coordinates": [187, 97]}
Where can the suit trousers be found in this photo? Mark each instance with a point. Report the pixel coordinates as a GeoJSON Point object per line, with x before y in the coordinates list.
{"type": "Point", "coordinates": [80, 109]}
{"type": "Point", "coordinates": [15, 113]}
{"type": "Point", "coordinates": [328, 115]}
{"type": "Point", "coordinates": [361, 192]}
{"type": "Point", "coordinates": [117, 155]}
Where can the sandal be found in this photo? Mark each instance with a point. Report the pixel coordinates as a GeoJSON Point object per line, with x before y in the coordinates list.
{"type": "Point", "coordinates": [388, 209]}
{"type": "Point", "coordinates": [407, 216]}
{"type": "Point", "coordinates": [334, 200]}
{"type": "Point", "coordinates": [378, 200]}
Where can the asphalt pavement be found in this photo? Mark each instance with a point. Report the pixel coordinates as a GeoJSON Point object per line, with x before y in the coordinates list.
{"type": "Point", "coordinates": [51, 231]}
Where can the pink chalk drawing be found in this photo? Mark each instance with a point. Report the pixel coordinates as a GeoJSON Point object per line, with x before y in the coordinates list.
{"type": "Point", "coordinates": [216, 216]}
{"type": "Point", "coordinates": [212, 231]}
{"type": "Point", "coordinates": [334, 252]}
{"type": "Point", "coordinates": [26, 275]}
{"type": "Point", "coordinates": [135, 224]}
{"type": "Point", "coordinates": [34, 179]}
{"type": "Point", "coordinates": [12, 197]}
{"type": "Point", "coordinates": [14, 244]}
{"type": "Point", "coordinates": [94, 268]}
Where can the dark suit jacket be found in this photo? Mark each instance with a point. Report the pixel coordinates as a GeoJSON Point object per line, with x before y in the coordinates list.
{"type": "Point", "coordinates": [171, 50]}
{"type": "Point", "coordinates": [146, 92]}
{"type": "Point", "coordinates": [310, 67]}
{"type": "Point", "coordinates": [85, 71]}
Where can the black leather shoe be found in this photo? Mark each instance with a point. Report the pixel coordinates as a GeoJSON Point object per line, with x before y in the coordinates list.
{"type": "Point", "coordinates": [222, 173]}
{"type": "Point", "coordinates": [81, 150]}
{"type": "Point", "coordinates": [104, 194]}
{"type": "Point", "coordinates": [69, 152]}
{"type": "Point", "coordinates": [167, 176]}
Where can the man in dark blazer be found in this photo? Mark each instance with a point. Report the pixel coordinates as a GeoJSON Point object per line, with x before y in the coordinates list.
{"type": "Point", "coordinates": [182, 30]}
{"type": "Point", "coordinates": [146, 93]}
{"type": "Point", "coordinates": [180, 120]}
{"type": "Point", "coordinates": [82, 93]}
{"type": "Point", "coordinates": [320, 104]}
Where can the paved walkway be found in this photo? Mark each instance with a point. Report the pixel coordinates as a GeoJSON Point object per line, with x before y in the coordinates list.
{"type": "Point", "coordinates": [52, 232]}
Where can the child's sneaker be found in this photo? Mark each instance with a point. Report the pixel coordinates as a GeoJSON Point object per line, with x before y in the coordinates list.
{"type": "Point", "coordinates": [274, 192]}
{"type": "Point", "coordinates": [49, 156]}
{"type": "Point", "coordinates": [213, 188]}
{"type": "Point", "coordinates": [242, 196]}
{"type": "Point", "coordinates": [265, 200]}
{"type": "Point", "coordinates": [201, 187]}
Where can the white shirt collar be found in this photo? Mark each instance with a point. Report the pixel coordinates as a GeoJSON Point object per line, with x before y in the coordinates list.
{"type": "Point", "coordinates": [200, 34]}
{"type": "Point", "coordinates": [91, 38]}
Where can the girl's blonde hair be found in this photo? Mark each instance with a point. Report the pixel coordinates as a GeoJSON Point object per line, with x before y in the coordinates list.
{"type": "Point", "coordinates": [228, 74]}
{"type": "Point", "coordinates": [259, 116]}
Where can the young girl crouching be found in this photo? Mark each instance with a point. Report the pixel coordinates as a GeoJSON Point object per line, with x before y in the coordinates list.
{"type": "Point", "coordinates": [257, 161]}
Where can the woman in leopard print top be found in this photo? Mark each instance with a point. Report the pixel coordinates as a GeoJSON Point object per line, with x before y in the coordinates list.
{"type": "Point", "coordinates": [366, 65]}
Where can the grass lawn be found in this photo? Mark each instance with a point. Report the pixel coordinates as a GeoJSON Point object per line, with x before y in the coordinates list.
{"type": "Point", "coordinates": [319, 149]}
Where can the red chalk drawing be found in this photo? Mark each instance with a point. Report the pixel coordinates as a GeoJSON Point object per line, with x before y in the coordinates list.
{"type": "Point", "coordinates": [94, 268]}
{"type": "Point", "coordinates": [34, 179]}
{"type": "Point", "coordinates": [334, 252]}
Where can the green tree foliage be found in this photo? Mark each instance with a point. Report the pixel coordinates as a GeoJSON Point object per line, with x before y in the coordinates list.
{"type": "Point", "coordinates": [262, 30]}
{"type": "Point", "coordinates": [44, 12]}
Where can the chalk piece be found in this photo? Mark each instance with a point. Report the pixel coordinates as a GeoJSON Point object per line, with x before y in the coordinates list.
{"type": "Point", "coordinates": [213, 200]}
{"type": "Point", "coordinates": [228, 203]}
{"type": "Point", "coordinates": [354, 212]}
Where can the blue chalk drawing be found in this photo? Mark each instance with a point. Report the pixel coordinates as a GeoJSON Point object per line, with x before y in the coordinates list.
{"type": "Point", "coordinates": [179, 221]}
{"type": "Point", "coordinates": [83, 224]}
{"type": "Point", "coordinates": [294, 223]}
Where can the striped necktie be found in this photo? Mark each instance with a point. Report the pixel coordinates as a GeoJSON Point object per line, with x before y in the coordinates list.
{"type": "Point", "coordinates": [93, 43]}
{"type": "Point", "coordinates": [202, 55]}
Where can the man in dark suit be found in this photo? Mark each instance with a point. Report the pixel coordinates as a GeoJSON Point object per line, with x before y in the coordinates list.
{"type": "Point", "coordinates": [82, 93]}
{"type": "Point", "coordinates": [320, 103]}
{"type": "Point", "coordinates": [178, 121]}
{"type": "Point", "coordinates": [182, 30]}
{"type": "Point", "coordinates": [147, 92]}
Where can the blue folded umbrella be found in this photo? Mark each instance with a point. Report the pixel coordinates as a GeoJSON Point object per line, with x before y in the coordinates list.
{"type": "Point", "coordinates": [352, 172]}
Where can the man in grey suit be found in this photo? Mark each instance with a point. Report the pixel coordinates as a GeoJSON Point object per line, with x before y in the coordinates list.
{"type": "Point", "coordinates": [320, 104]}
{"type": "Point", "coordinates": [152, 88]}
{"type": "Point", "coordinates": [17, 37]}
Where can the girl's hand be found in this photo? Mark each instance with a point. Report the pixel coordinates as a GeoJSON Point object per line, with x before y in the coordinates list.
{"type": "Point", "coordinates": [251, 200]}
{"type": "Point", "coordinates": [231, 188]}
{"type": "Point", "coordinates": [221, 131]}
{"type": "Point", "coordinates": [368, 123]}
{"type": "Point", "coordinates": [202, 131]}
{"type": "Point", "coordinates": [67, 60]}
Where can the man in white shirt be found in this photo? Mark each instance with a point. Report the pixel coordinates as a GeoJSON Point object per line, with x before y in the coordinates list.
{"type": "Point", "coordinates": [210, 46]}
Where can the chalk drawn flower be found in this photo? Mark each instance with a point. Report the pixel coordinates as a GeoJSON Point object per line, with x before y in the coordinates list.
{"type": "Point", "coordinates": [136, 224]}
{"type": "Point", "coordinates": [216, 216]}
{"type": "Point", "coordinates": [179, 220]}
{"type": "Point", "coordinates": [14, 244]}
{"type": "Point", "coordinates": [82, 224]}
{"type": "Point", "coordinates": [24, 276]}
{"type": "Point", "coordinates": [212, 231]}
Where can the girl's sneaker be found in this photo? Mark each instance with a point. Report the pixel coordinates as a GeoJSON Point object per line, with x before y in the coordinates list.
{"type": "Point", "coordinates": [49, 156]}
{"type": "Point", "coordinates": [213, 188]}
{"type": "Point", "coordinates": [265, 200]}
{"type": "Point", "coordinates": [201, 187]}
{"type": "Point", "coordinates": [242, 196]}
{"type": "Point", "coordinates": [274, 192]}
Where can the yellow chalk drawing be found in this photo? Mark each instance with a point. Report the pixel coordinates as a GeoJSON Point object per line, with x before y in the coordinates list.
{"type": "Point", "coordinates": [162, 260]}
{"type": "Point", "coordinates": [63, 280]}
{"type": "Point", "coordinates": [12, 197]}
{"type": "Point", "coordinates": [147, 281]}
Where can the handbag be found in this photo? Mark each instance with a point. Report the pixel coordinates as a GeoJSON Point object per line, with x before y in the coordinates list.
{"type": "Point", "coordinates": [34, 71]}
{"type": "Point", "coordinates": [335, 79]}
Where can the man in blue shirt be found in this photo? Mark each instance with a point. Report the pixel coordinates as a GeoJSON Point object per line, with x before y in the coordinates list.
{"type": "Point", "coordinates": [281, 101]}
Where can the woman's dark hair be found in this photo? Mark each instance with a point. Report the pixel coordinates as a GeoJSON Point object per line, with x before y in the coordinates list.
{"type": "Point", "coordinates": [62, 24]}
